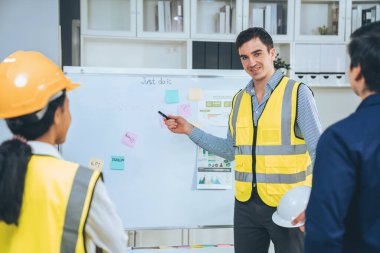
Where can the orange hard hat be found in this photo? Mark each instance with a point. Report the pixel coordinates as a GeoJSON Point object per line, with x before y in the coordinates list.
{"type": "Point", "coordinates": [28, 80]}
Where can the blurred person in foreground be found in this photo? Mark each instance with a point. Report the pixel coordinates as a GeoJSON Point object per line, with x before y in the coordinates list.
{"type": "Point", "coordinates": [47, 204]}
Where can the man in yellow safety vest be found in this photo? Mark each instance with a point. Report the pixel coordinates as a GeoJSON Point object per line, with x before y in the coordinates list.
{"type": "Point", "coordinates": [272, 136]}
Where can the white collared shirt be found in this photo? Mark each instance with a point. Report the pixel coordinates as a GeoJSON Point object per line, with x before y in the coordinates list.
{"type": "Point", "coordinates": [103, 227]}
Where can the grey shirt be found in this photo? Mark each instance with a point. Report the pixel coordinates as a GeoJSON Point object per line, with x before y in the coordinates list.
{"type": "Point", "coordinates": [307, 126]}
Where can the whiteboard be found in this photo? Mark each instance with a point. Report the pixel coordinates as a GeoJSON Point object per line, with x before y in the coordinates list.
{"type": "Point", "coordinates": [157, 187]}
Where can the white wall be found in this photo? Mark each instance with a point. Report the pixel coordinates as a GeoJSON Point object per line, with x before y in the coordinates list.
{"type": "Point", "coordinates": [30, 25]}
{"type": "Point", "coordinates": [334, 103]}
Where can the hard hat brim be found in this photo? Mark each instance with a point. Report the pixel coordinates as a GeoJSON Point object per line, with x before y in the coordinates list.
{"type": "Point", "coordinates": [285, 223]}
{"type": "Point", "coordinates": [71, 86]}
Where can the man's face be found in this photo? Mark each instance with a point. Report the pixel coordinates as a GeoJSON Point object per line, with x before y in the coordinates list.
{"type": "Point", "coordinates": [256, 59]}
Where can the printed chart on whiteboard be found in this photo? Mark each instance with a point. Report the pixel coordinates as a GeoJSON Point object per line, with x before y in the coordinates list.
{"type": "Point", "coordinates": [214, 172]}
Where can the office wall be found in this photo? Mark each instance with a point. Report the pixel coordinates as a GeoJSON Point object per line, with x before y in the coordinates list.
{"type": "Point", "coordinates": [30, 25]}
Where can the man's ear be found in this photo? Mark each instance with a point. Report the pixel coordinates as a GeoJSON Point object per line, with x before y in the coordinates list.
{"type": "Point", "coordinates": [272, 53]}
{"type": "Point", "coordinates": [357, 73]}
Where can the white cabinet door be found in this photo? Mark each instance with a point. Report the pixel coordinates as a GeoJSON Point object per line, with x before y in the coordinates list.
{"type": "Point", "coordinates": [321, 64]}
{"type": "Point", "coordinates": [163, 18]}
{"type": "Point", "coordinates": [277, 17]}
{"type": "Point", "coordinates": [355, 11]}
{"type": "Point", "coordinates": [320, 20]}
{"type": "Point", "coordinates": [108, 17]}
{"type": "Point", "coordinates": [216, 19]}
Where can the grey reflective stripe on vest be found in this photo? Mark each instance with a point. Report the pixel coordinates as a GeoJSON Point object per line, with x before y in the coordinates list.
{"type": "Point", "coordinates": [274, 178]}
{"type": "Point", "coordinates": [243, 176]}
{"type": "Point", "coordinates": [74, 210]}
{"type": "Point", "coordinates": [272, 150]}
{"type": "Point", "coordinates": [283, 178]}
{"type": "Point", "coordinates": [235, 113]}
{"type": "Point", "coordinates": [286, 121]}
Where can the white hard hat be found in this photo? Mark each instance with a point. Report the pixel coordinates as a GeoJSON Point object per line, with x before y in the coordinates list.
{"type": "Point", "coordinates": [292, 204]}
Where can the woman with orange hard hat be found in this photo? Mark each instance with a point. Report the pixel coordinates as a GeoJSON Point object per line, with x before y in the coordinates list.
{"type": "Point", "coordinates": [47, 204]}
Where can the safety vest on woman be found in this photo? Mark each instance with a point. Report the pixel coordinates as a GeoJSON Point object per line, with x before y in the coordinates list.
{"type": "Point", "coordinates": [56, 201]}
{"type": "Point", "coordinates": [271, 149]}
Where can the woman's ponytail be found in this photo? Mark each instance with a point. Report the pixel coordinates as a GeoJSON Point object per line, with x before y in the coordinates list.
{"type": "Point", "coordinates": [14, 158]}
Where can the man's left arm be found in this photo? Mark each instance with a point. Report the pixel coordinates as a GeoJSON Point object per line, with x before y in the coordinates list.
{"type": "Point", "coordinates": [308, 122]}
{"type": "Point", "coordinates": [309, 127]}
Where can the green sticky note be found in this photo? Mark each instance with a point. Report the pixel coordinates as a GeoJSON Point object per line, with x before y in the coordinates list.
{"type": "Point", "coordinates": [171, 96]}
{"type": "Point", "coordinates": [117, 162]}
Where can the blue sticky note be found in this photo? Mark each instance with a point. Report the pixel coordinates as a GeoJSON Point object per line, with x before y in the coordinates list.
{"type": "Point", "coordinates": [117, 162]}
{"type": "Point", "coordinates": [171, 96]}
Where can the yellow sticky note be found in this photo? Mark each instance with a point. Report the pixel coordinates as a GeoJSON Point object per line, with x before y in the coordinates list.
{"type": "Point", "coordinates": [195, 94]}
{"type": "Point", "coordinates": [96, 164]}
{"type": "Point", "coordinates": [197, 246]}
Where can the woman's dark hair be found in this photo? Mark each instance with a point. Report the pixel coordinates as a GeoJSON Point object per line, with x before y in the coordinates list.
{"type": "Point", "coordinates": [15, 156]}
{"type": "Point", "coordinates": [254, 32]}
{"type": "Point", "coordinates": [364, 51]}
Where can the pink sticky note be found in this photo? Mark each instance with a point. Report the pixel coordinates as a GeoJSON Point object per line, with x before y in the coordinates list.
{"type": "Point", "coordinates": [224, 245]}
{"type": "Point", "coordinates": [129, 139]}
{"type": "Point", "coordinates": [184, 110]}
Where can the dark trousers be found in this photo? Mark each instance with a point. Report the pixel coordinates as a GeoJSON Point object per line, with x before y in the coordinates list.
{"type": "Point", "coordinates": [254, 228]}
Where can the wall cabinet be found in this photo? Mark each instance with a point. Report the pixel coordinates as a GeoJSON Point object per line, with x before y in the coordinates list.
{"type": "Point", "coordinates": [216, 20]}
{"type": "Point", "coordinates": [277, 17]}
{"type": "Point", "coordinates": [164, 18]}
{"type": "Point", "coordinates": [320, 20]}
{"type": "Point", "coordinates": [354, 14]}
{"type": "Point", "coordinates": [108, 18]}
{"type": "Point", "coordinates": [162, 33]}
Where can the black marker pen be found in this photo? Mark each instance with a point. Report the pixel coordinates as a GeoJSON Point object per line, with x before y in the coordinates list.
{"type": "Point", "coordinates": [164, 115]}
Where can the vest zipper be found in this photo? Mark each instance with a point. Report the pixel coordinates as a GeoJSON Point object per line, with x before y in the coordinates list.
{"type": "Point", "coordinates": [253, 146]}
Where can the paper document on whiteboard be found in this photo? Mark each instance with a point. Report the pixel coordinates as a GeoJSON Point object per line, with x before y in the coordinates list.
{"type": "Point", "coordinates": [214, 172]}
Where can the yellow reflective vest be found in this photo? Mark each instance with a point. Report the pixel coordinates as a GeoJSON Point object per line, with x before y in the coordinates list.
{"type": "Point", "coordinates": [57, 198]}
{"type": "Point", "coordinates": [271, 149]}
